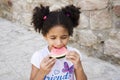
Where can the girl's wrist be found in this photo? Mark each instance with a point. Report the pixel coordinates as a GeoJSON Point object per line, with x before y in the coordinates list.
{"type": "Point", "coordinates": [78, 66]}
{"type": "Point", "coordinates": [79, 69]}
{"type": "Point", "coordinates": [42, 74]}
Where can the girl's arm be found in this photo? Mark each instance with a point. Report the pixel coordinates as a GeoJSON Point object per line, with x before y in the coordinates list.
{"type": "Point", "coordinates": [75, 59]}
{"type": "Point", "coordinates": [79, 73]}
{"type": "Point", "coordinates": [36, 74]}
{"type": "Point", "coordinates": [45, 67]}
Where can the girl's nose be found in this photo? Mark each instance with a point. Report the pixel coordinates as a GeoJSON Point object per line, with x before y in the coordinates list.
{"type": "Point", "coordinates": [58, 42]}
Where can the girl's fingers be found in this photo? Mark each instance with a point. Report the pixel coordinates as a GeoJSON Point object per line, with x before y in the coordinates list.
{"type": "Point", "coordinates": [50, 61]}
{"type": "Point", "coordinates": [71, 57]}
{"type": "Point", "coordinates": [72, 53]}
{"type": "Point", "coordinates": [46, 58]}
{"type": "Point", "coordinates": [48, 64]}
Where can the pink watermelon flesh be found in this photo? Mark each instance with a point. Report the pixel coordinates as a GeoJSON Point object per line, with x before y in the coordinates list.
{"type": "Point", "coordinates": [58, 53]}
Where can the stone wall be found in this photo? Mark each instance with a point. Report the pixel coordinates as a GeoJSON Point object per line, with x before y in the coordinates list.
{"type": "Point", "coordinates": [97, 35]}
{"type": "Point", "coordinates": [99, 32]}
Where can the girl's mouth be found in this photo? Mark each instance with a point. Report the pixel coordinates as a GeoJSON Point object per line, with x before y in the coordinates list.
{"type": "Point", "coordinates": [58, 47]}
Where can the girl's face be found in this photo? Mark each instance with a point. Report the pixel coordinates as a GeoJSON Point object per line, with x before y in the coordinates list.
{"type": "Point", "coordinates": [57, 37]}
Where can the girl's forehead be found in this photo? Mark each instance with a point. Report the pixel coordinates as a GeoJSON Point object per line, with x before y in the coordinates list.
{"type": "Point", "coordinates": [58, 29]}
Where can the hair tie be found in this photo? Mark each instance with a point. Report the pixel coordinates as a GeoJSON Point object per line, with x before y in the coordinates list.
{"type": "Point", "coordinates": [68, 14]}
{"type": "Point", "coordinates": [45, 17]}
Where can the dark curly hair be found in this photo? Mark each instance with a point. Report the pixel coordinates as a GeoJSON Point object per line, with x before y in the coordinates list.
{"type": "Point", "coordinates": [44, 20]}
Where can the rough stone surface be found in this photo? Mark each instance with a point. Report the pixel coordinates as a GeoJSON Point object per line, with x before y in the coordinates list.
{"type": "Point", "coordinates": [87, 38]}
{"type": "Point", "coordinates": [84, 20]}
{"type": "Point", "coordinates": [91, 4]}
{"type": "Point", "coordinates": [116, 10]}
{"type": "Point", "coordinates": [112, 47]}
{"type": "Point", "coordinates": [6, 8]}
{"type": "Point", "coordinates": [17, 45]}
{"type": "Point", "coordinates": [118, 35]}
{"type": "Point", "coordinates": [116, 2]}
{"type": "Point", "coordinates": [97, 22]}
{"type": "Point", "coordinates": [117, 24]}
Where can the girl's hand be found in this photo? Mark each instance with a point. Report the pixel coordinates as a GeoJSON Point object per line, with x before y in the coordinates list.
{"type": "Point", "coordinates": [74, 58]}
{"type": "Point", "coordinates": [46, 65]}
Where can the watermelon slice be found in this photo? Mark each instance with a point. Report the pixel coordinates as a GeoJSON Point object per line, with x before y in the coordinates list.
{"type": "Point", "coordinates": [58, 53]}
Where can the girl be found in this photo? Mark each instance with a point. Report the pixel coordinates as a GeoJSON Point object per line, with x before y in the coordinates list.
{"type": "Point", "coordinates": [56, 27]}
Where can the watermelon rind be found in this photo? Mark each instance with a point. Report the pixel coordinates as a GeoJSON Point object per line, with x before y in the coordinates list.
{"type": "Point", "coordinates": [58, 56]}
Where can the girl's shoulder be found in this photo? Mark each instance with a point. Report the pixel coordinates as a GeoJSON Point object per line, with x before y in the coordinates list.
{"type": "Point", "coordinates": [38, 56]}
{"type": "Point", "coordinates": [41, 52]}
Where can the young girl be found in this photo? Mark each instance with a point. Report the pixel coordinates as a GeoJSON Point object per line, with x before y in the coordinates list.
{"type": "Point", "coordinates": [56, 27]}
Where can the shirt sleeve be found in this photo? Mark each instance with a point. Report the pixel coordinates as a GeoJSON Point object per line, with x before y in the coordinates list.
{"type": "Point", "coordinates": [35, 60]}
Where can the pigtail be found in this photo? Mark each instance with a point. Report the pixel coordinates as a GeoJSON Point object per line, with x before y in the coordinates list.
{"type": "Point", "coordinates": [72, 12]}
{"type": "Point", "coordinates": [39, 16]}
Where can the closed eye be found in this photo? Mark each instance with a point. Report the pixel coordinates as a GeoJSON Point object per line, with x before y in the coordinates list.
{"type": "Point", "coordinates": [53, 38]}
{"type": "Point", "coordinates": [64, 37]}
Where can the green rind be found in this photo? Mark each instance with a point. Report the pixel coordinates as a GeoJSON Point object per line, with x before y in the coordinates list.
{"type": "Point", "coordinates": [58, 57]}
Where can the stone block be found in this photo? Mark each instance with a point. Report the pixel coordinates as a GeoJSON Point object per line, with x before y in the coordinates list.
{"type": "Point", "coordinates": [117, 24]}
{"type": "Point", "coordinates": [116, 10]}
{"type": "Point", "coordinates": [116, 2]}
{"type": "Point", "coordinates": [84, 20]}
{"type": "Point", "coordinates": [112, 48]}
{"type": "Point", "coordinates": [5, 5]}
{"type": "Point", "coordinates": [118, 36]}
{"type": "Point", "coordinates": [29, 1]}
{"type": "Point", "coordinates": [87, 38]}
{"type": "Point", "coordinates": [26, 19]}
{"type": "Point", "coordinates": [16, 17]}
{"type": "Point", "coordinates": [100, 20]}
{"type": "Point", "coordinates": [113, 33]}
{"type": "Point", "coordinates": [91, 4]}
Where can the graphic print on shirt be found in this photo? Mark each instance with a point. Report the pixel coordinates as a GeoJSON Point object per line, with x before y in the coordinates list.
{"type": "Point", "coordinates": [69, 70]}
{"type": "Point", "coordinates": [67, 73]}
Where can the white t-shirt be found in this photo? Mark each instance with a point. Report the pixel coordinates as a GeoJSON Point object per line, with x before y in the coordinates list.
{"type": "Point", "coordinates": [62, 69]}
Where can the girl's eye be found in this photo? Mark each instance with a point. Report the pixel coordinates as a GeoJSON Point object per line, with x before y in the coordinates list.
{"type": "Point", "coordinates": [53, 38]}
{"type": "Point", "coordinates": [64, 37]}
